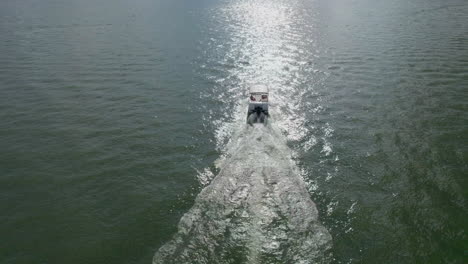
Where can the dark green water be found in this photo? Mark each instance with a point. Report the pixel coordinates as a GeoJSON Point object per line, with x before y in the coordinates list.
{"type": "Point", "coordinates": [115, 115]}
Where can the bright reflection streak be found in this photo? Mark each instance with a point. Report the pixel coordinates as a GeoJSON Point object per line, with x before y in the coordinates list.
{"type": "Point", "coordinates": [269, 43]}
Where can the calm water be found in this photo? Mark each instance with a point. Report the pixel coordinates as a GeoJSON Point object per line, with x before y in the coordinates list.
{"type": "Point", "coordinates": [115, 115]}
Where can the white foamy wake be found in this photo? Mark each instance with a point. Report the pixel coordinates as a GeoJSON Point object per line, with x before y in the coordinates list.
{"type": "Point", "coordinates": [256, 210]}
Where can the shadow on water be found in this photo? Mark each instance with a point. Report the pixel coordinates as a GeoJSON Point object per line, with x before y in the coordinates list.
{"type": "Point", "coordinates": [256, 210]}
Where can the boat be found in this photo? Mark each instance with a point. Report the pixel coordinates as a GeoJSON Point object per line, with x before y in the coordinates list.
{"type": "Point", "coordinates": [258, 104]}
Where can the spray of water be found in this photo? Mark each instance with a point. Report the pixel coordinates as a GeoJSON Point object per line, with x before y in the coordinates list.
{"type": "Point", "coordinates": [256, 210]}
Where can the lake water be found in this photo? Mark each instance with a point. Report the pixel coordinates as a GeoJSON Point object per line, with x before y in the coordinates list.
{"type": "Point", "coordinates": [116, 116]}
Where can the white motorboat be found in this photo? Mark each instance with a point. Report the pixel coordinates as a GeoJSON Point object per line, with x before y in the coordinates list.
{"type": "Point", "coordinates": [258, 104]}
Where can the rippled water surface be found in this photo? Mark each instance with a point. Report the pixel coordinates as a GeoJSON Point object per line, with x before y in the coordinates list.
{"type": "Point", "coordinates": [123, 135]}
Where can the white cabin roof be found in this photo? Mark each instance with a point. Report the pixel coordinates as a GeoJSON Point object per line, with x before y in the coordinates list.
{"type": "Point", "coordinates": [259, 88]}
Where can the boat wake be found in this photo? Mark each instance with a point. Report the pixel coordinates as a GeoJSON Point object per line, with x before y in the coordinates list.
{"type": "Point", "coordinates": [256, 210]}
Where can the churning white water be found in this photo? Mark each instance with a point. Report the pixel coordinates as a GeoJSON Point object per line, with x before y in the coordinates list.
{"type": "Point", "coordinates": [256, 210]}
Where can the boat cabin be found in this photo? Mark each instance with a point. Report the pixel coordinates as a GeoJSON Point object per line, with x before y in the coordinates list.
{"type": "Point", "coordinates": [259, 93]}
